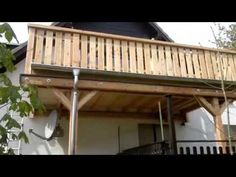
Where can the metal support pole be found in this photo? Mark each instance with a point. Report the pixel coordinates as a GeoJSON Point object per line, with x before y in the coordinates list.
{"type": "Point", "coordinates": [74, 115]}
{"type": "Point", "coordinates": [161, 123]}
{"type": "Point", "coordinates": [172, 135]}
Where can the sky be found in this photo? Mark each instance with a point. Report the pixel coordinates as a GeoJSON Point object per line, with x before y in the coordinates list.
{"type": "Point", "coordinates": [192, 33]}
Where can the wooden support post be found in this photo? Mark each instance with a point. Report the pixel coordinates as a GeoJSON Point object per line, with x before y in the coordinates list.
{"type": "Point", "coordinates": [218, 123]}
{"type": "Point", "coordinates": [172, 135]}
{"type": "Point", "coordinates": [215, 109]}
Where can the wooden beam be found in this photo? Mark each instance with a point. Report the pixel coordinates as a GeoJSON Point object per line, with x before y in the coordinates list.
{"type": "Point", "coordinates": [62, 98]}
{"type": "Point", "coordinates": [122, 87]}
{"type": "Point", "coordinates": [224, 105]}
{"type": "Point", "coordinates": [86, 99]}
{"type": "Point", "coordinates": [204, 103]}
{"type": "Point", "coordinates": [184, 104]}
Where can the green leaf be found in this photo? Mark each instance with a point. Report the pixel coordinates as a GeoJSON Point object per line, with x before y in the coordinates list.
{"type": "Point", "coordinates": [14, 93]}
{"type": "Point", "coordinates": [8, 36]}
{"type": "Point", "coordinates": [22, 136]}
{"type": "Point", "coordinates": [12, 123]}
{"type": "Point", "coordinates": [5, 80]}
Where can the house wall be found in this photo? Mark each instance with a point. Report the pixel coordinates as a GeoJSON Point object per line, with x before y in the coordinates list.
{"type": "Point", "coordinates": [100, 135]}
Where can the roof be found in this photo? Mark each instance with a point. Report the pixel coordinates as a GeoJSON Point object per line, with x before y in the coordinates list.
{"type": "Point", "coordinates": [20, 51]}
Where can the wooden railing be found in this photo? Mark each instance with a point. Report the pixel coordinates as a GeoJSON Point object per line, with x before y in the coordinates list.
{"type": "Point", "coordinates": [65, 47]}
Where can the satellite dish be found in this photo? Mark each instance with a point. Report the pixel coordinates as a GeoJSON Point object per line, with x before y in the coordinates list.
{"type": "Point", "coordinates": [52, 129]}
{"type": "Point", "coordinates": [51, 124]}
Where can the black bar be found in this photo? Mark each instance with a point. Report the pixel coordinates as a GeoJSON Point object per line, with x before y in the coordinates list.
{"type": "Point", "coordinates": [172, 135]}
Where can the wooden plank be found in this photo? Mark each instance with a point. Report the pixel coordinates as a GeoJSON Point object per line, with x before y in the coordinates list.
{"type": "Point", "coordinates": [140, 58]}
{"type": "Point", "coordinates": [86, 99]}
{"type": "Point", "coordinates": [189, 63]}
{"type": "Point", "coordinates": [162, 60]}
{"type": "Point", "coordinates": [101, 54]}
{"type": "Point", "coordinates": [76, 51]}
{"type": "Point", "coordinates": [58, 49]}
{"type": "Point", "coordinates": [48, 48]}
{"type": "Point", "coordinates": [117, 55]}
{"type": "Point", "coordinates": [109, 59]}
{"type": "Point", "coordinates": [92, 52]}
{"type": "Point", "coordinates": [39, 47]}
{"type": "Point", "coordinates": [176, 65]}
{"type": "Point", "coordinates": [234, 61]}
{"type": "Point", "coordinates": [62, 98]}
{"type": "Point", "coordinates": [147, 59]}
{"type": "Point", "coordinates": [132, 57]}
{"type": "Point", "coordinates": [84, 51]}
{"type": "Point", "coordinates": [196, 67]}
{"type": "Point", "coordinates": [125, 62]}
{"type": "Point", "coordinates": [182, 62]}
{"type": "Point", "coordinates": [228, 72]}
{"type": "Point", "coordinates": [67, 50]}
{"type": "Point", "coordinates": [215, 67]}
{"type": "Point", "coordinates": [120, 37]}
{"type": "Point", "coordinates": [122, 87]}
{"type": "Point", "coordinates": [225, 66]}
{"type": "Point", "coordinates": [232, 70]}
{"type": "Point", "coordinates": [30, 51]}
{"type": "Point", "coordinates": [169, 62]}
{"type": "Point", "coordinates": [154, 66]}
{"type": "Point", "coordinates": [202, 64]}
{"type": "Point", "coordinates": [209, 65]}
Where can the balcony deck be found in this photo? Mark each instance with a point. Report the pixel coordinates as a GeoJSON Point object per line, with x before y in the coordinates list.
{"type": "Point", "coordinates": [70, 48]}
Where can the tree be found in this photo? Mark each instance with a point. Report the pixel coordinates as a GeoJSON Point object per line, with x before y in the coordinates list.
{"type": "Point", "coordinates": [226, 37]}
{"type": "Point", "coordinates": [20, 100]}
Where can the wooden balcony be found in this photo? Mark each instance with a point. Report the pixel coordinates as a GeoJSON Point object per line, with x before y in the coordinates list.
{"type": "Point", "coordinates": [70, 48]}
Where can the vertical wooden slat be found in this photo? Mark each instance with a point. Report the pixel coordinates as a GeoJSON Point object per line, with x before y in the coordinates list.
{"type": "Point", "coordinates": [92, 52]}
{"type": "Point", "coordinates": [214, 64]}
{"type": "Point", "coordinates": [234, 61]}
{"type": "Point", "coordinates": [58, 52]}
{"type": "Point", "coordinates": [202, 64]}
{"type": "Point", "coordinates": [182, 63]}
{"type": "Point", "coordinates": [162, 61]}
{"type": "Point", "coordinates": [176, 66]}
{"type": "Point", "coordinates": [125, 62]}
{"type": "Point", "coordinates": [109, 55]}
{"type": "Point", "coordinates": [232, 71]}
{"type": "Point", "coordinates": [196, 64]}
{"type": "Point", "coordinates": [76, 53]}
{"type": "Point", "coordinates": [225, 66]}
{"type": "Point", "coordinates": [132, 57]}
{"type": "Point", "coordinates": [39, 46]}
{"type": "Point", "coordinates": [154, 66]}
{"type": "Point", "coordinates": [140, 57]}
{"type": "Point", "coordinates": [147, 58]}
{"type": "Point", "coordinates": [189, 63]}
{"type": "Point", "coordinates": [48, 48]}
{"type": "Point", "coordinates": [219, 65]}
{"type": "Point", "coordinates": [117, 55]}
{"type": "Point", "coordinates": [209, 65]}
{"type": "Point", "coordinates": [169, 62]}
{"type": "Point", "coordinates": [67, 50]}
{"type": "Point", "coordinates": [101, 55]}
{"type": "Point", "coordinates": [84, 51]}
{"type": "Point", "coordinates": [30, 51]}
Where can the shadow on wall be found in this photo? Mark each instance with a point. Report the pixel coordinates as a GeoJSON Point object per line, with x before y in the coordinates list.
{"type": "Point", "coordinates": [57, 146]}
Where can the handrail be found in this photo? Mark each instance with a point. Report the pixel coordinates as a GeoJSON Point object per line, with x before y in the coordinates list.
{"type": "Point", "coordinates": [121, 37]}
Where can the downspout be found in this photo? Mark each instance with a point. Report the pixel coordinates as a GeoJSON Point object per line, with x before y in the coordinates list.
{"type": "Point", "coordinates": [74, 115]}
